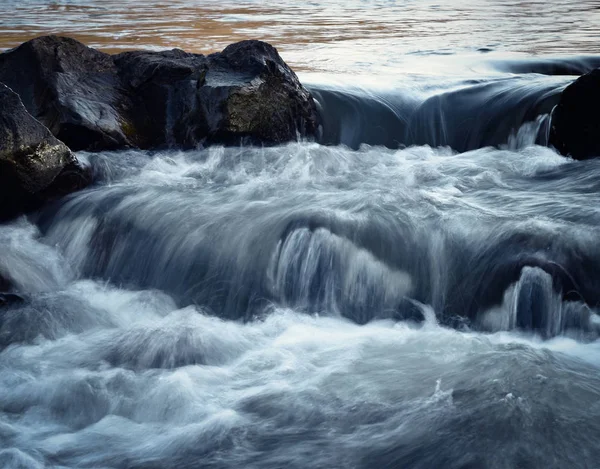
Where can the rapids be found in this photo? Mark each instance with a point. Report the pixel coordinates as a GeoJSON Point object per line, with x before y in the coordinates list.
{"type": "Point", "coordinates": [124, 353]}
{"type": "Point", "coordinates": [418, 288]}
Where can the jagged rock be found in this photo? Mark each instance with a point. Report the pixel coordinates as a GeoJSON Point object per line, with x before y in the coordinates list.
{"type": "Point", "coordinates": [575, 129]}
{"type": "Point", "coordinates": [70, 88]}
{"type": "Point", "coordinates": [273, 106]}
{"type": "Point", "coordinates": [94, 101]}
{"type": "Point", "coordinates": [34, 165]}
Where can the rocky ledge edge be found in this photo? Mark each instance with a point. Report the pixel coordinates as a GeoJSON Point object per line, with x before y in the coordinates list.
{"type": "Point", "coordinates": [58, 96]}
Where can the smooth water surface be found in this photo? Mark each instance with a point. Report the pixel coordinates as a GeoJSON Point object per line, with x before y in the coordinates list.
{"type": "Point", "coordinates": [341, 36]}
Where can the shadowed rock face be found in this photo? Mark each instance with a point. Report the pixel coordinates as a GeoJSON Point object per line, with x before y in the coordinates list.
{"type": "Point", "coordinates": [274, 105]}
{"type": "Point", "coordinates": [34, 165]}
{"type": "Point", "coordinates": [576, 120]}
{"type": "Point", "coordinates": [71, 89]}
{"type": "Point", "coordinates": [95, 101]}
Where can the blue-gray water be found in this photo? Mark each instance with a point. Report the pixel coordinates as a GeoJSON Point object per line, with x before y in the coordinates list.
{"type": "Point", "coordinates": [417, 290]}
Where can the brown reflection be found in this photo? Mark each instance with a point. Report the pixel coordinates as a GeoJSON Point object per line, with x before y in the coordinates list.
{"type": "Point", "coordinates": [330, 35]}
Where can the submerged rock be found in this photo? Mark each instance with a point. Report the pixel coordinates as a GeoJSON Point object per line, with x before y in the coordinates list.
{"type": "Point", "coordinates": [575, 127]}
{"type": "Point", "coordinates": [95, 101]}
{"type": "Point", "coordinates": [34, 165]}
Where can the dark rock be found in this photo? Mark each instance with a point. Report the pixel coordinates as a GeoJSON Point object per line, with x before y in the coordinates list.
{"type": "Point", "coordinates": [34, 165]}
{"type": "Point", "coordinates": [163, 87]}
{"type": "Point", "coordinates": [575, 129]}
{"type": "Point", "coordinates": [246, 92]}
{"type": "Point", "coordinates": [70, 88]}
{"type": "Point", "coordinates": [94, 101]}
{"type": "Point", "coordinates": [267, 101]}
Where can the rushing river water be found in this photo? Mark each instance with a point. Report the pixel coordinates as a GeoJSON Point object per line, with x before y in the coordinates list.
{"type": "Point", "coordinates": [417, 289]}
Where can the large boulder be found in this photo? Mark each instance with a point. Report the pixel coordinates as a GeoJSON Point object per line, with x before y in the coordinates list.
{"type": "Point", "coordinates": [246, 92]}
{"type": "Point", "coordinates": [95, 101]}
{"type": "Point", "coordinates": [34, 165]}
{"type": "Point", "coordinates": [70, 88]}
{"type": "Point", "coordinates": [575, 129]}
{"type": "Point", "coordinates": [264, 98]}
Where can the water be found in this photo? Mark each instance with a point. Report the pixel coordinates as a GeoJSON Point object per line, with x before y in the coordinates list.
{"type": "Point", "coordinates": [417, 289]}
{"type": "Point", "coordinates": [383, 37]}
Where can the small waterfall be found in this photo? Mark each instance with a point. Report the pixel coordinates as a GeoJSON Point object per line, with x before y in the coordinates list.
{"type": "Point", "coordinates": [531, 133]}
{"type": "Point", "coordinates": [535, 305]}
{"type": "Point", "coordinates": [465, 116]}
{"type": "Point", "coordinates": [532, 303]}
{"type": "Point", "coordinates": [320, 271]}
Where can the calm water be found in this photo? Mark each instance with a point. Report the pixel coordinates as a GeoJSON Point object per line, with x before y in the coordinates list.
{"type": "Point", "coordinates": [351, 36]}
{"type": "Point", "coordinates": [418, 289]}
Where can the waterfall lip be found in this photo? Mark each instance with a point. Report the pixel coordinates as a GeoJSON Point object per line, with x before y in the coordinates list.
{"type": "Point", "coordinates": [464, 114]}
{"type": "Point", "coordinates": [534, 304]}
{"type": "Point", "coordinates": [555, 66]}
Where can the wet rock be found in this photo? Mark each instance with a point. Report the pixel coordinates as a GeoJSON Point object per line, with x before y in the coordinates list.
{"type": "Point", "coordinates": [245, 93]}
{"type": "Point", "coordinates": [95, 101]}
{"type": "Point", "coordinates": [34, 166]}
{"type": "Point", "coordinates": [265, 101]}
{"type": "Point", "coordinates": [70, 88]}
{"type": "Point", "coordinates": [163, 87]}
{"type": "Point", "coordinates": [575, 129]}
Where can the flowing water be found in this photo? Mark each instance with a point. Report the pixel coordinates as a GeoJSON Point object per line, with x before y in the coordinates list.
{"type": "Point", "coordinates": [417, 289]}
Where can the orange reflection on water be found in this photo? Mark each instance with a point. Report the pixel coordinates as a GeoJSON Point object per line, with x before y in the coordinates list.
{"type": "Point", "coordinates": [331, 35]}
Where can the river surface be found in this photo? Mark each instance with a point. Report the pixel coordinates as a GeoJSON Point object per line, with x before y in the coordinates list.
{"type": "Point", "coordinates": [349, 36]}
{"type": "Point", "coordinates": [417, 289]}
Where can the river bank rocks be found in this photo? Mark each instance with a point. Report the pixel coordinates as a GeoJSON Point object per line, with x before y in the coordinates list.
{"type": "Point", "coordinates": [58, 95]}
{"type": "Point", "coordinates": [575, 129]}
{"type": "Point", "coordinates": [94, 101]}
{"type": "Point", "coordinates": [34, 165]}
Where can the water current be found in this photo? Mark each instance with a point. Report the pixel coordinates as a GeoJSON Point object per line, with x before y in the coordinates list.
{"type": "Point", "coordinates": [418, 288]}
